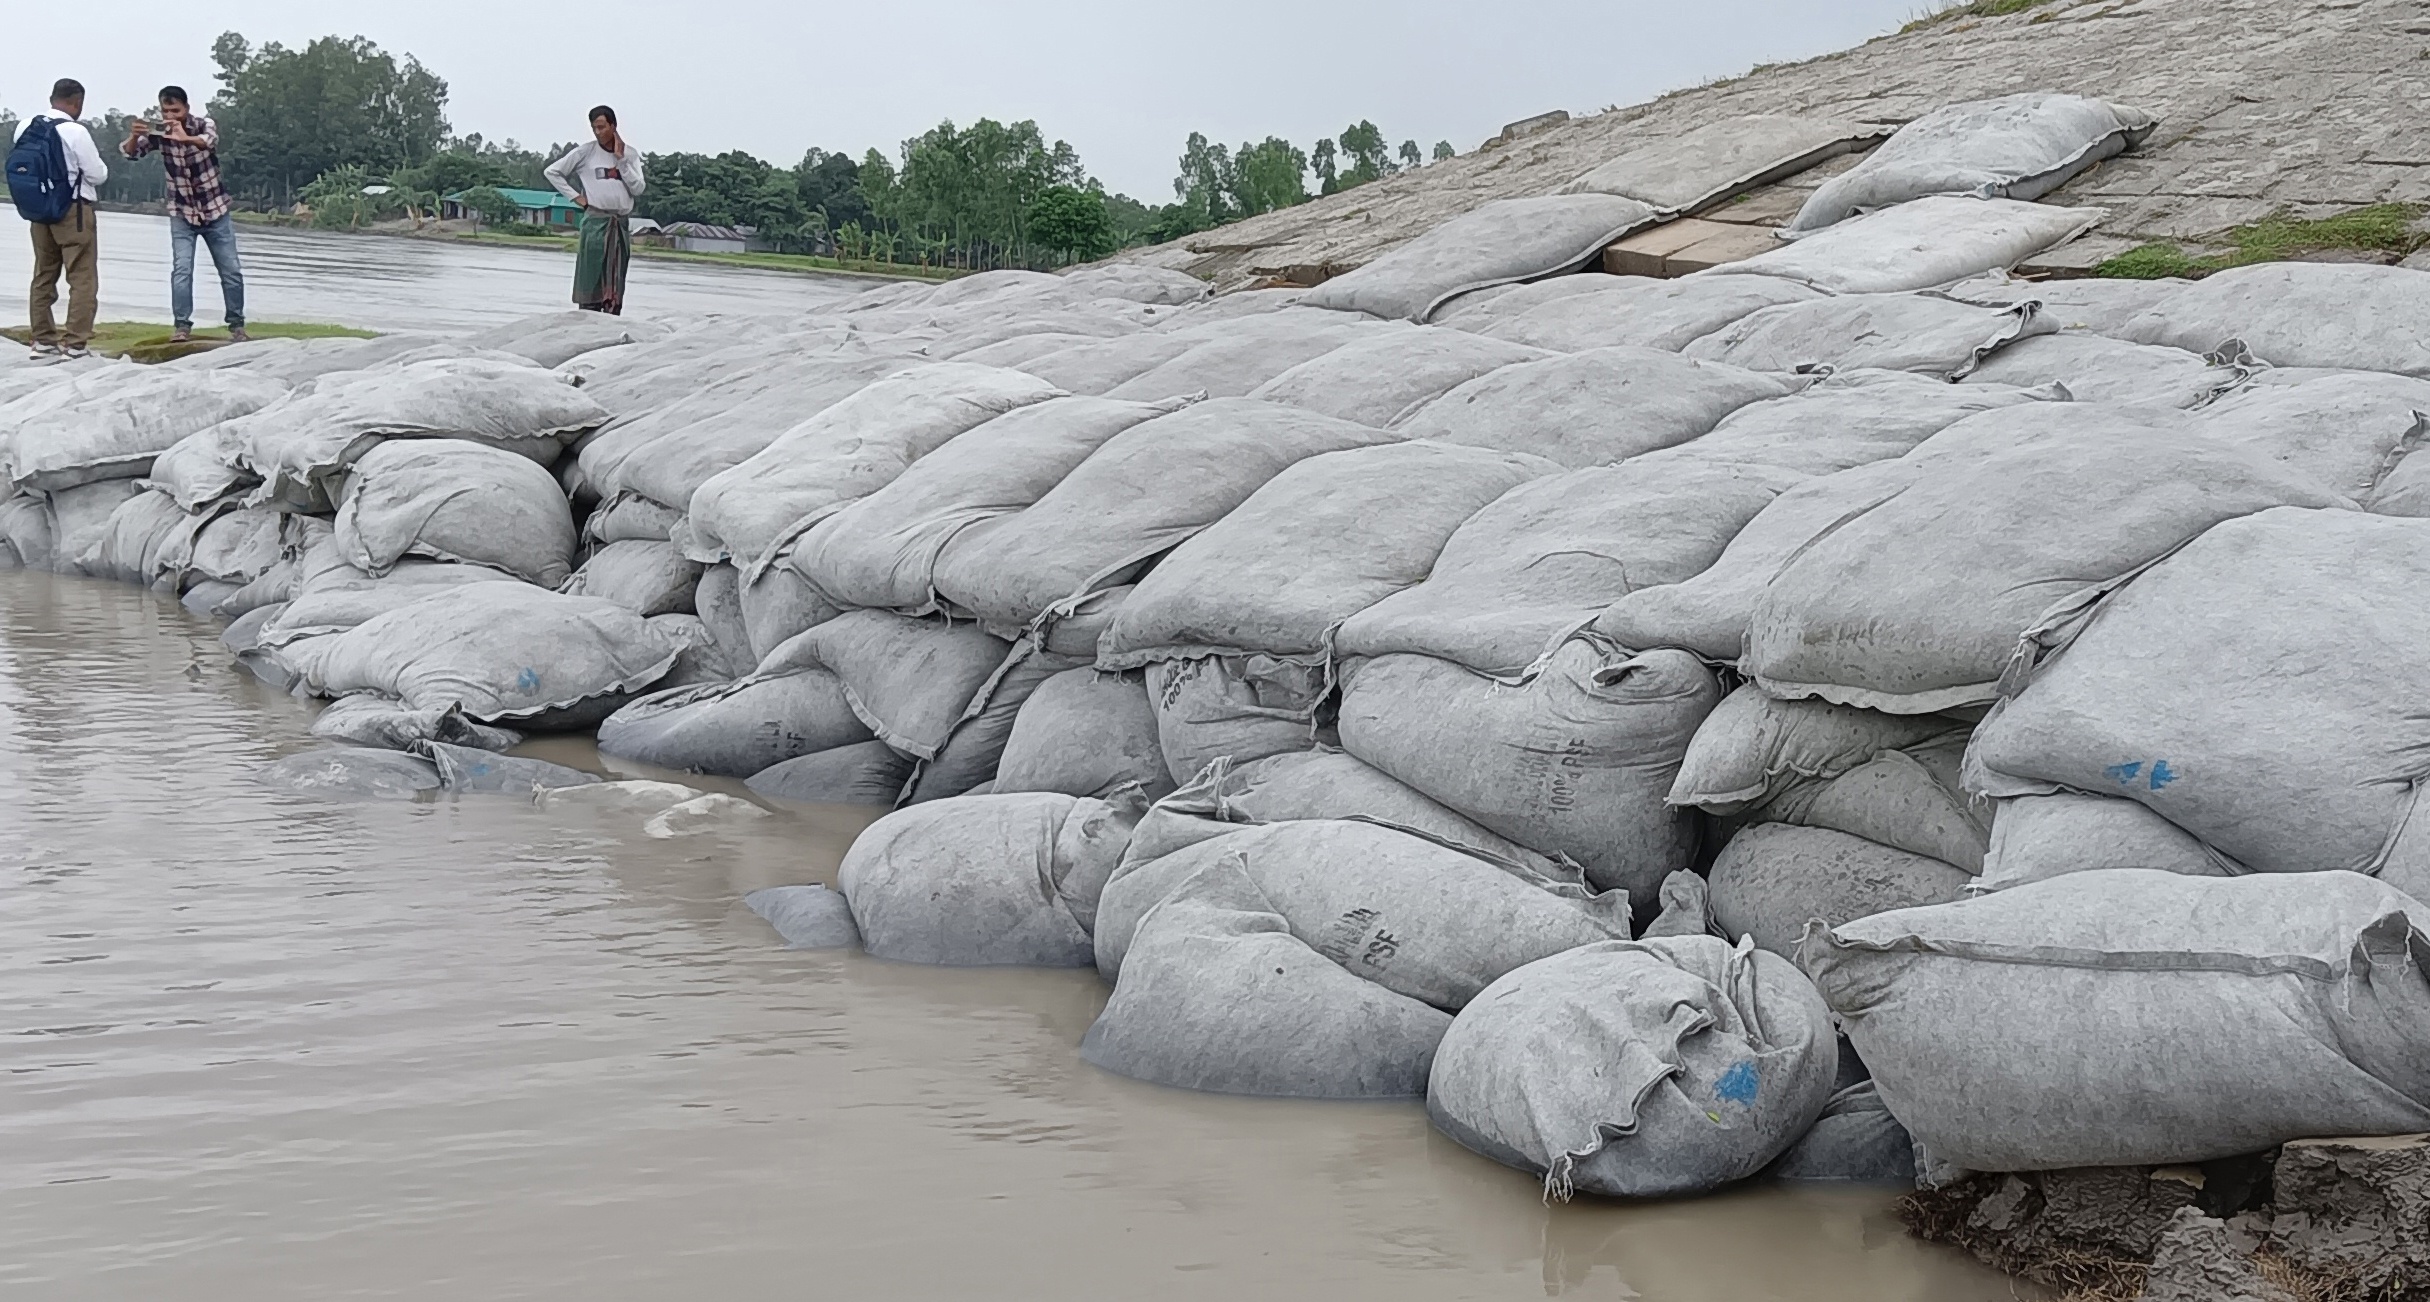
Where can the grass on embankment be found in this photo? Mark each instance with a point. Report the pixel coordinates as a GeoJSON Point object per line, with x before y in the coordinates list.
{"type": "Point", "coordinates": [2380, 228]}
{"type": "Point", "coordinates": [148, 341]}
{"type": "Point", "coordinates": [1971, 9]}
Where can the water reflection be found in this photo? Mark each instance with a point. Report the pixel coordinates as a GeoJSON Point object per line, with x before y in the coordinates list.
{"type": "Point", "coordinates": [387, 283]}
{"type": "Point", "coordinates": [263, 1047]}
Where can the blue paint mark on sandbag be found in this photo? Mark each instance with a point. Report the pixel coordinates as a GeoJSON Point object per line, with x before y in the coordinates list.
{"type": "Point", "coordinates": [2124, 773]}
{"type": "Point", "coordinates": [2162, 774]}
{"type": "Point", "coordinates": [529, 679]}
{"type": "Point", "coordinates": [1738, 1084]}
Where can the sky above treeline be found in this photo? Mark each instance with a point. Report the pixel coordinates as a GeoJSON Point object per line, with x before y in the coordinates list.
{"type": "Point", "coordinates": [1125, 82]}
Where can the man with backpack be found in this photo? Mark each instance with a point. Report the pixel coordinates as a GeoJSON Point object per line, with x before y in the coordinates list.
{"type": "Point", "coordinates": [54, 175]}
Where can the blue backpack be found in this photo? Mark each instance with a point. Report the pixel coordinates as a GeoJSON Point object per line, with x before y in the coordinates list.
{"type": "Point", "coordinates": [38, 173]}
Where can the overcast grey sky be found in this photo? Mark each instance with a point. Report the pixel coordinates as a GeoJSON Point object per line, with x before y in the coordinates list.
{"type": "Point", "coordinates": [1125, 83]}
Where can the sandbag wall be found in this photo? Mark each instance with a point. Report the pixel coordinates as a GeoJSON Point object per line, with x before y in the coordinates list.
{"type": "Point", "coordinates": [1785, 682]}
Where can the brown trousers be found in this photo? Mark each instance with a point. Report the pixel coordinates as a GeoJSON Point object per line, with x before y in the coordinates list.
{"type": "Point", "coordinates": [70, 244]}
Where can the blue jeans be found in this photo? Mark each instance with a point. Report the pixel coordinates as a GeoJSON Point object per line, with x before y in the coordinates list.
{"type": "Point", "coordinates": [220, 238]}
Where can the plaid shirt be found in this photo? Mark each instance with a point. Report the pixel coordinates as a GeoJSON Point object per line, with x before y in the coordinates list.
{"type": "Point", "coordinates": [191, 168]}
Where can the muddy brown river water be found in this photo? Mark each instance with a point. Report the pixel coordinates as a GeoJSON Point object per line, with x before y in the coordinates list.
{"type": "Point", "coordinates": [259, 1046]}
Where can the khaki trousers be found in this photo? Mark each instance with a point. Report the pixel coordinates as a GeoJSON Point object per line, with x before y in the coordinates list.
{"type": "Point", "coordinates": [71, 245]}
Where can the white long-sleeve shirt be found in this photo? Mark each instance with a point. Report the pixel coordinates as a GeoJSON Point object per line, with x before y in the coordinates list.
{"type": "Point", "coordinates": [609, 181]}
{"type": "Point", "coordinates": [83, 157]}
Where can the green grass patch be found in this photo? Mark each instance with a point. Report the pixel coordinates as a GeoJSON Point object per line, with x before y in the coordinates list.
{"type": "Point", "coordinates": [1971, 9]}
{"type": "Point", "coordinates": [2381, 228]}
{"type": "Point", "coordinates": [148, 341]}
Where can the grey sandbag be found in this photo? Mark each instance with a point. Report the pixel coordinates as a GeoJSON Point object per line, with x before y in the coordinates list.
{"type": "Point", "coordinates": [1084, 732]}
{"type": "Point", "coordinates": [339, 598]}
{"type": "Point", "coordinates": [299, 446]}
{"type": "Point", "coordinates": [1093, 366]}
{"type": "Point", "coordinates": [391, 725]}
{"type": "Point", "coordinates": [1575, 761]}
{"type": "Point", "coordinates": [1854, 1141]}
{"type": "Point", "coordinates": [25, 531]}
{"type": "Point", "coordinates": [984, 880]}
{"type": "Point", "coordinates": [1378, 377]}
{"type": "Point", "coordinates": [2014, 147]}
{"type": "Point", "coordinates": [2348, 315]}
{"type": "Point", "coordinates": [2356, 433]}
{"type": "Point", "coordinates": [496, 651]}
{"type": "Point", "coordinates": [791, 706]}
{"type": "Point", "coordinates": [230, 545]}
{"type": "Point", "coordinates": [1594, 407]}
{"type": "Point", "coordinates": [454, 500]}
{"type": "Point", "coordinates": [1926, 333]}
{"type": "Point", "coordinates": [2034, 838]}
{"type": "Point", "coordinates": [129, 546]}
{"type": "Point", "coordinates": [2247, 689]}
{"type": "Point", "coordinates": [1548, 556]}
{"type": "Point", "coordinates": [753, 511]}
{"type": "Point", "coordinates": [2096, 306]}
{"type": "Point", "coordinates": [1638, 1069]}
{"type": "Point", "coordinates": [1772, 879]}
{"type": "Point", "coordinates": [717, 599]}
{"type": "Point", "coordinates": [863, 773]}
{"type": "Point", "coordinates": [1918, 245]}
{"type": "Point", "coordinates": [469, 769]}
{"type": "Point", "coordinates": [114, 430]}
{"type": "Point", "coordinates": [648, 578]}
{"type": "Point", "coordinates": [1915, 604]}
{"type": "Point", "coordinates": [1493, 244]}
{"type": "Point", "coordinates": [1754, 747]}
{"type": "Point", "coordinates": [1478, 309]}
{"type": "Point", "coordinates": [559, 337]}
{"type": "Point", "coordinates": [1141, 493]}
{"type": "Point", "coordinates": [79, 517]}
{"type": "Point", "coordinates": [2097, 369]}
{"type": "Point", "coordinates": [1850, 419]}
{"type": "Point", "coordinates": [671, 467]}
{"type": "Point", "coordinates": [1378, 932]}
{"type": "Point", "coordinates": [881, 551]}
{"type": "Point", "coordinates": [774, 607]}
{"type": "Point", "coordinates": [910, 680]}
{"type": "Point", "coordinates": [1716, 161]}
{"type": "Point", "coordinates": [354, 772]}
{"type": "Point", "coordinates": [626, 517]}
{"type": "Point", "coordinates": [1240, 708]}
{"type": "Point", "coordinates": [806, 917]}
{"type": "Point", "coordinates": [1644, 312]}
{"type": "Point", "coordinates": [1231, 358]}
{"type": "Point", "coordinates": [2132, 1017]}
{"type": "Point", "coordinates": [1321, 541]}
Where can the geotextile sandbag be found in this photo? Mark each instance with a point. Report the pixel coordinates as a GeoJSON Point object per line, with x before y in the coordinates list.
{"type": "Point", "coordinates": [301, 445]}
{"type": "Point", "coordinates": [1854, 1141]}
{"type": "Point", "coordinates": [1714, 161]}
{"type": "Point", "coordinates": [1926, 333]}
{"type": "Point", "coordinates": [1574, 761]}
{"type": "Point", "coordinates": [392, 725]}
{"type": "Point", "coordinates": [1594, 407]}
{"type": "Point", "coordinates": [1235, 707]}
{"type": "Point", "coordinates": [648, 578]}
{"type": "Point", "coordinates": [2355, 433]}
{"type": "Point", "coordinates": [2013, 147]}
{"type": "Point", "coordinates": [863, 773]}
{"type": "Point", "coordinates": [469, 769]}
{"type": "Point", "coordinates": [1229, 360]}
{"type": "Point", "coordinates": [323, 601]}
{"type": "Point", "coordinates": [1138, 495]}
{"type": "Point", "coordinates": [751, 512]}
{"type": "Point", "coordinates": [559, 337]}
{"type": "Point", "coordinates": [2034, 838]}
{"type": "Point", "coordinates": [807, 917]}
{"type": "Point", "coordinates": [774, 606]}
{"type": "Point", "coordinates": [671, 467]}
{"type": "Point", "coordinates": [1915, 604]}
{"type": "Point", "coordinates": [351, 772]}
{"type": "Point", "coordinates": [130, 544]}
{"type": "Point", "coordinates": [453, 500]}
{"type": "Point", "coordinates": [881, 550]}
{"type": "Point", "coordinates": [25, 531]}
{"type": "Point", "coordinates": [1495, 243]}
{"type": "Point", "coordinates": [114, 431]}
{"type": "Point", "coordinates": [630, 517]}
{"type": "Point", "coordinates": [1380, 377]}
{"type": "Point", "coordinates": [232, 545]}
{"type": "Point", "coordinates": [2252, 689]}
{"type": "Point", "coordinates": [2348, 315]}
{"type": "Point", "coordinates": [791, 706]}
{"type": "Point", "coordinates": [911, 680]}
{"type": "Point", "coordinates": [984, 880]}
{"type": "Point", "coordinates": [1085, 732]}
{"type": "Point", "coordinates": [1321, 541]}
{"type": "Point", "coordinates": [1377, 934]}
{"type": "Point", "coordinates": [1644, 312]}
{"type": "Point", "coordinates": [2132, 1017]}
{"type": "Point", "coordinates": [78, 517]}
{"type": "Point", "coordinates": [1773, 878]}
{"type": "Point", "coordinates": [2097, 369]}
{"type": "Point", "coordinates": [496, 651]}
{"type": "Point", "coordinates": [1919, 244]}
{"type": "Point", "coordinates": [1092, 366]}
{"type": "Point", "coordinates": [1640, 1069]}
{"type": "Point", "coordinates": [2093, 305]}
{"type": "Point", "coordinates": [1546, 557]}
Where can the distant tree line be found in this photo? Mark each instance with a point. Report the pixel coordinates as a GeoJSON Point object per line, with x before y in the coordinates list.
{"type": "Point", "coordinates": [358, 135]}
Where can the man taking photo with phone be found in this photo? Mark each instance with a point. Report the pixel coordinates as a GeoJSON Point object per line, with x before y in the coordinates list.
{"type": "Point", "coordinates": [609, 172]}
{"type": "Point", "coordinates": [188, 145]}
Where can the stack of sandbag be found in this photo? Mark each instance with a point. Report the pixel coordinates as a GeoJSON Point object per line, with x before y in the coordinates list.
{"type": "Point", "coordinates": [2014, 147]}
{"type": "Point", "coordinates": [1310, 958]}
